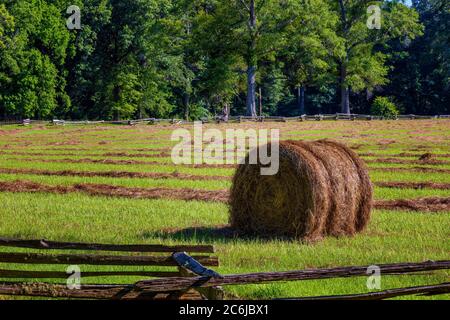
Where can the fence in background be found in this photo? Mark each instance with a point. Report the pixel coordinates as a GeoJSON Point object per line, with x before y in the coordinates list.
{"type": "Point", "coordinates": [234, 119]}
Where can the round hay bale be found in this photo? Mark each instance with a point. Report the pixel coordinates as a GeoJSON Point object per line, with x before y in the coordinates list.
{"type": "Point", "coordinates": [322, 188]}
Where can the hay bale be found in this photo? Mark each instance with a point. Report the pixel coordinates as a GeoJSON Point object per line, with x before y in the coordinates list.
{"type": "Point", "coordinates": [322, 188]}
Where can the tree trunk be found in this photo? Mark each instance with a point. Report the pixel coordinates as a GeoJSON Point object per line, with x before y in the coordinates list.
{"type": "Point", "coordinates": [260, 102]}
{"type": "Point", "coordinates": [301, 99]}
{"type": "Point", "coordinates": [252, 63]}
{"type": "Point", "coordinates": [116, 97]}
{"type": "Point", "coordinates": [226, 111]}
{"type": "Point", "coordinates": [345, 91]}
{"type": "Point", "coordinates": [251, 91]}
{"type": "Point", "coordinates": [186, 104]}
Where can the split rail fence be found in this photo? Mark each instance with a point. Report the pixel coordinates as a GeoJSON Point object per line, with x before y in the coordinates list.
{"type": "Point", "coordinates": [185, 277]}
{"type": "Point", "coordinates": [238, 119]}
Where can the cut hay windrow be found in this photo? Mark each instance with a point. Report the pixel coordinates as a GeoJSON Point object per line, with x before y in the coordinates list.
{"type": "Point", "coordinates": [124, 162]}
{"type": "Point", "coordinates": [434, 204]}
{"type": "Point", "coordinates": [403, 161]}
{"type": "Point", "coordinates": [412, 169]}
{"type": "Point", "coordinates": [322, 188]}
{"type": "Point", "coordinates": [114, 174]}
{"type": "Point", "coordinates": [116, 191]}
{"type": "Point", "coordinates": [105, 155]}
{"type": "Point", "coordinates": [414, 185]}
{"type": "Point", "coordinates": [418, 156]}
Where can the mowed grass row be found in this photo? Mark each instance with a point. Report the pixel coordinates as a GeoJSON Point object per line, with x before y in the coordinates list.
{"type": "Point", "coordinates": [391, 237]}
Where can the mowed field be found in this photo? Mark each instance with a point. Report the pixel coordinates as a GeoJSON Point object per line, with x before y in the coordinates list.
{"type": "Point", "coordinates": [117, 184]}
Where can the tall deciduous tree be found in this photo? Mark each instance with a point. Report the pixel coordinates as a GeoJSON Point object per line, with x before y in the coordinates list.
{"type": "Point", "coordinates": [252, 29]}
{"type": "Point", "coordinates": [360, 65]}
{"type": "Point", "coordinates": [421, 81]}
{"type": "Point", "coordinates": [32, 77]}
{"type": "Point", "coordinates": [312, 39]}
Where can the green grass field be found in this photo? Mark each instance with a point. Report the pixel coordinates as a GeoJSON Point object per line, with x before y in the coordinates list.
{"type": "Point", "coordinates": [392, 236]}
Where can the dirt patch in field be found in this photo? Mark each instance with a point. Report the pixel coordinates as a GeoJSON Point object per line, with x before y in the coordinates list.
{"type": "Point", "coordinates": [414, 185]}
{"type": "Point", "coordinates": [424, 204]}
{"type": "Point", "coordinates": [115, 174]}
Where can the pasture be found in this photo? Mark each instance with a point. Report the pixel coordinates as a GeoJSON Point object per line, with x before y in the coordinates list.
{"type": "Point", "coordinates": [117, 184]}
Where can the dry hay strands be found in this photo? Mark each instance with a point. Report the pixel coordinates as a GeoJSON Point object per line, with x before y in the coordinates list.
{"type": "Point", "coordinates": [29, 186]}
{"type": "Point", "coordinates": [117, 191]}
{"type": "Point", "coordinates": [413, 185]}
{"type": "Point", "coordinates": [115, 174]}
{"type": "Point", "coordinates": [137, 155]}
{"type": "Point", "coordinates": [153, 193]}
{"type": "Point", "coordinates": [422, 157]}
{"type": "Point", "coordinates": [434, 204]}
{"type": "Point", "coordinates": [105, 155]}
{"type": "Point", "coordinates": [322, 188]}
{"type": "Point", "coordinates": [126, 162]}
{"type": "Point", "coordinates": [403, 161]}
{"type": "Point", "coordinates": [412, 169]}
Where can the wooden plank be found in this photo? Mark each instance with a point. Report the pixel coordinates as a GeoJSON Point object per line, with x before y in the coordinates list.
{"type": "Point", "coordinates": [53, 245]}
{"type": "Point", "coordinates": [61, 291]}
{"type": "Point", "coordinates": [98, 292]}
{"type": "Point", "coordinates": [432, 290]}
{"type": "Point", "coordinates": [86, 259]}
{"type": "Point", "coordinates": [22, 274]}
{"type": "Point", "coordinates": [176, 284]}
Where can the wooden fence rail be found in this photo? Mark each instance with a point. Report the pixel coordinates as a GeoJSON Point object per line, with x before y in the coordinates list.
{"type": "Point", "coordinates": [432, 290]}
{"type": "Point", "coordinates": [23, 274]}
{"type": "Point", "coordinates": [175, 284]}
{"type": "Point", "coordinates": [54, 245]}
{"type": "Point", "coordinates": [86, 259]}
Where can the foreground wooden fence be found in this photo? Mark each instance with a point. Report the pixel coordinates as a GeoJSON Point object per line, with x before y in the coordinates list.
{"type": "Point", "coordinates": [191, 280]}
{"type": "Point", "coordinates": [238, 119]}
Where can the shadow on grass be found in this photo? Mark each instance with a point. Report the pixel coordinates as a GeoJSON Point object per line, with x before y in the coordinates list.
{"type": "Point", "coordinates": [197, 234]}
{"type": "Point", "coordinates": [215, 234]}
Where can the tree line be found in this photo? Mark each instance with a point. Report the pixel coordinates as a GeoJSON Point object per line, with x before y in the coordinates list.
{"type": "Point", "coordinates": [200, 58]}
